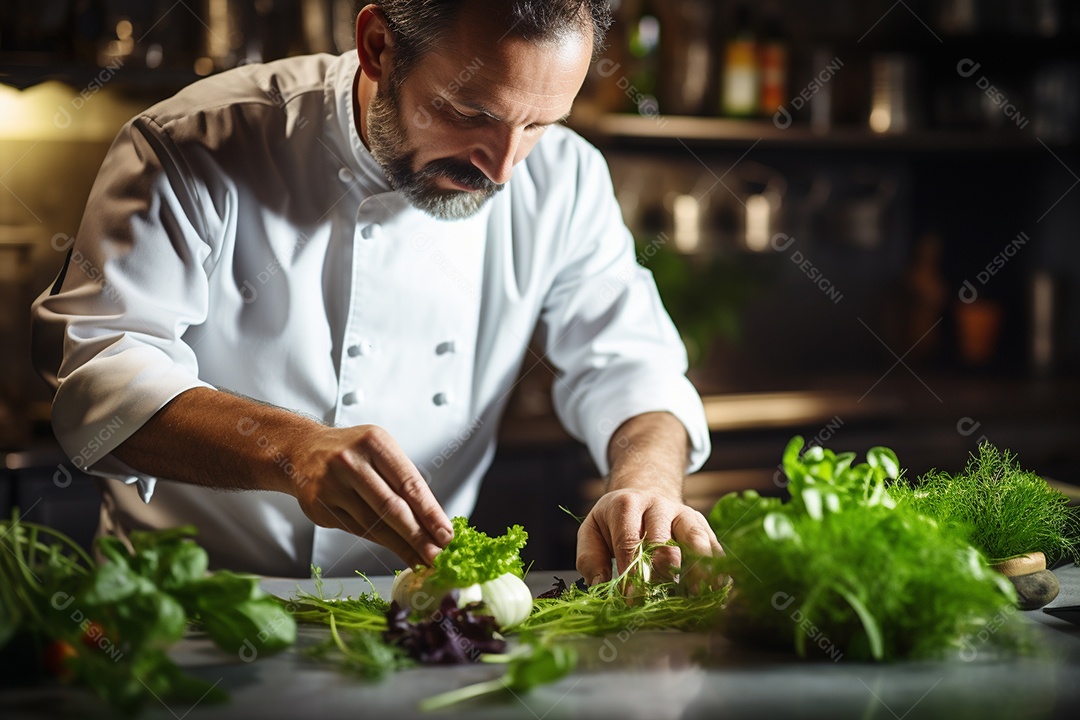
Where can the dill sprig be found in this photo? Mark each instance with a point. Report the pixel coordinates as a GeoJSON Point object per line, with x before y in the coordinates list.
{"type": "Point", "coordinates": [356, 627]}
{"type": "Point", "coordinates": [1000, 508]}
{"type": "Point", "coordinates": [365, 612]}
{"type": "Point", "coordinates": [628, 600]}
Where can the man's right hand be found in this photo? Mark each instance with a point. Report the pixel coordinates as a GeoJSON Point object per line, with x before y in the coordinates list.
{"type": "Point", "coordinates": [360, 480]}
{"type": "Point", "coordinates": [357, 479]}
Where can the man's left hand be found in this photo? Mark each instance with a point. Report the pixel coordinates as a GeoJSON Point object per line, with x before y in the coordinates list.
{"type": "Point", "coordinates": [619, 521]}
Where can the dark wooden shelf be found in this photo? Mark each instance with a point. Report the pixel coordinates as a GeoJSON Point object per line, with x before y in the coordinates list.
{"type": "Point", "coordinates": [627, 130]}
{"type": "Point", "coordinates": [21, 74]}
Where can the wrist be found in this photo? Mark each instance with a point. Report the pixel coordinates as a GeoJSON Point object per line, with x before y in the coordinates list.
{"type": "Point", "coordinates": [287, 454]}
{"type": "Point", "coordinates": [649, 453]}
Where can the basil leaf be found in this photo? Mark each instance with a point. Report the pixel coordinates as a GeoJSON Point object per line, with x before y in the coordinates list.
{"type": "Point", "coordinates": [181, 565]}
{"type": "Point", "coordinates": [543, 665]}
{"type": "Point", "coordinates": [252, 628]}
{"type": "Point", "coordinates": [114, 582]}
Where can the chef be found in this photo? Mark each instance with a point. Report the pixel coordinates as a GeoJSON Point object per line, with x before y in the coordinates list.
{"type": "Point", "coordinates": [302, 291]}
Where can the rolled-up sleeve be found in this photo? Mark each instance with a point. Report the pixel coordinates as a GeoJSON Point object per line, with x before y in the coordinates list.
{"type": "Point", "coordinates": [108, 334]}
{"type": "Point", "coordinates": [615, 349]}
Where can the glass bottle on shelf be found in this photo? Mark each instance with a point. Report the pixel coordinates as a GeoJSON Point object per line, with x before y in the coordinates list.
{"type": "Point", "coordinates": [689, 62]}
{"type": "Point", "coordinates": [773, 64]}
{"type": "Point", "coordinates": [643, 42]}
{"type": "Point", "coordinates": [740, 81]}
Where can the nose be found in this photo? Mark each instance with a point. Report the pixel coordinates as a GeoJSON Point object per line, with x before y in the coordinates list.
{"type": "Point", "coordinates": [497, 154]}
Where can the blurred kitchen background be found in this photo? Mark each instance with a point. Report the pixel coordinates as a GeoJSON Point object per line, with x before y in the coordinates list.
{"type": "Point", "coordinates": [861, 214]}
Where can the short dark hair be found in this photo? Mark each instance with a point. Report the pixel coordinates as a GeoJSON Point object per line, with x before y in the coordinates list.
{"type": "Point", "coordinates": [418, 25]}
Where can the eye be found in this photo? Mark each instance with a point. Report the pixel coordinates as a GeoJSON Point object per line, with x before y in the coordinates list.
{"type": "Point", "coordinates": [461, 117]}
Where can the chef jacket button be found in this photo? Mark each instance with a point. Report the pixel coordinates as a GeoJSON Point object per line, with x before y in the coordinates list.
{"type": "Point", "coordinates": [441, 399]}
{"type": "Point", "coordinates": [371, 232]}
{"type": "Point", "coordinates": [345, 175]}
{"type": "Point", "coordinates": [445, 347]}
{"type": "Point", "coordinates": [350, 398]}
{"type": "Point", "coordinates": [364, 347]}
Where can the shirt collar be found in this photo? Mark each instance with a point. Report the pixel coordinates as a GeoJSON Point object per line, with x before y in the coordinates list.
{"type": "Point", "coordinates": [340, 86]}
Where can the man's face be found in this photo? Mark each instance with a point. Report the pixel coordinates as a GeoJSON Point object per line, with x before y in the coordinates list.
{"type": "Point", "coordinates": [469, 110]}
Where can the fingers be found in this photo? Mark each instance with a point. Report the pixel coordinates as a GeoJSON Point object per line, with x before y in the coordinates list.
{"type": "Point", "coordinates": [394, 466]}
{"type": "Point", "coordinates": [594, 557]}
{"type": "Point", "coordinates": [369, 487]}
{"type": "Point", "coordinates": [658, 524]}
{"type": "Point", "coordinates": [383, 513]}
{"type": "Point", "coordinates": [616, 525]}
{"type": "Point", "coordinates": [691, 530]}
{"type": "Point", "coordinates": [612, 529]}
{"type": "Point", "coordinates": [372, 529]}
{"type": "Point", "coordinates": [623, 517]}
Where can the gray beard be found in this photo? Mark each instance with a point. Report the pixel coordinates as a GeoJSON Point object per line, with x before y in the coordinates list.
{"type": "Point", "coordinates": [386, 137]}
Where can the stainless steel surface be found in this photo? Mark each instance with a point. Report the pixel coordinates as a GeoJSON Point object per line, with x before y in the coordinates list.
{"type": "Point", "coordinates": [633, 675]}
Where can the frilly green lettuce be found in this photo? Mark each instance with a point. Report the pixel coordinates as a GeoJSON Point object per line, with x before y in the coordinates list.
{"type": "Point", "coordinates": [474, 557]}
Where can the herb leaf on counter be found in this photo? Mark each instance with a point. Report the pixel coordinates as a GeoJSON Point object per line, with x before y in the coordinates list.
{"type": "Point", "coordinates": [451, 636]}
{"type": "Point", "coordinates": [536, 664]}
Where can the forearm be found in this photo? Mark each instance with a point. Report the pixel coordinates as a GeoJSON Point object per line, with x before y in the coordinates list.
{"type": "Point", "coordinates": [216, 439]}
{"type": "Point", "coordinates": [649, 452]}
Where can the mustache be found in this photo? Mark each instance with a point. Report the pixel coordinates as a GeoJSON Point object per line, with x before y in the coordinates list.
{"type": "Point", "coordinates": [460, 172]}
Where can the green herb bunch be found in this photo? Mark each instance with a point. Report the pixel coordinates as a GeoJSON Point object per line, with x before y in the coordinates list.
{"type": "Point", "coordinates": [1000, 508]}
{"type": "Point", "coordinates": [840, 571]}
{"type": "Point", "coordinates": [626, 601]}
{"type": "Point", "coordinates": [473, 557]}
{"type": "Point", "coordinates": [356, 627]}
{"type": "Point", "coordinates": [116, 621]}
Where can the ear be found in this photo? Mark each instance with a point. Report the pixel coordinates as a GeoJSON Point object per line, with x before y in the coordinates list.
{"type": "Point", "coordinates": [374, 42]}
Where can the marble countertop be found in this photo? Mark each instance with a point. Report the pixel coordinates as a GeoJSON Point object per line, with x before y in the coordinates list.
{"type": "Point", "coordinates": [647, 675]}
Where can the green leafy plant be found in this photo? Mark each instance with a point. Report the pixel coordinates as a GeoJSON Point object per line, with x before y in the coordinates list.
{"type": "Point", "coordinates": [705, 296]}
{"type": "Point", "coordinates": [113, 624]}
{"type": "Point", "coordinates": [472, 557]}
{"type": "Point", "coordinates": [821, 481]}
{"type": "Point", "coordinates": [477, 569]}
{"type": "Point", "coordinates": [843, 571]}
{"type": "Point", "coordinates": [1001, 509]}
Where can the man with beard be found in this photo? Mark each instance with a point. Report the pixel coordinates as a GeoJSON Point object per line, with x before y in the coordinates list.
{"type": "Point", "coordinates": [315, 280]}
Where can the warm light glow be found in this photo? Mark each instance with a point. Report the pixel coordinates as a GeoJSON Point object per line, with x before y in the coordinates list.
{"type": "Point", "coordinates": [55, 111]}
{"type": "Point", "coordinates": [153, 55]}
{"type": "Point", "coordinates": [758, 216]}
{"type": "Point", "coordinates": [123, 29]}
{"type": "Point", "coordinates": [880, 119]}
{"type": "Point", "coordinates": [217, 39]}
{"type": "Point", "coordinates": [204, 66]}
{"type": "Point", "coordinates": [775, 409]}
{"type": "Point", "coordinates": [687, 216]}
{"type": "Point", "coordinates": [40, 111]}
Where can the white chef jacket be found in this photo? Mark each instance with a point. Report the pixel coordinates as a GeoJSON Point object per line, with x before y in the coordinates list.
{"type": "Point", "coordinates": [239, 235]}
